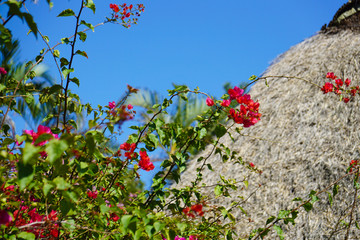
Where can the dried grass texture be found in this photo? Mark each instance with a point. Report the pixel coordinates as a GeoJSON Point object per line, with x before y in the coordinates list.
{"type": "Point", "coordinates": [304, 141]}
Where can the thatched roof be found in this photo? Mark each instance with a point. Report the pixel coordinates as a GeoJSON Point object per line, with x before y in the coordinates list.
{"type": "Point", "coordinates": [304, 141]}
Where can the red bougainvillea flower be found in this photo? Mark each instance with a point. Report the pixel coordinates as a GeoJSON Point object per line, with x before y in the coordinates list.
{"type": "Point", "coordinates": [339, 82]}
{"type": "Point", "coordinates": [191, 237]}
{"type": "Point", "coordinates": [346, 100]}
{"type": "Point", "coordinates": [331, 75]}
{"type": "Point", "coordinates": [252, 165]}
{"type": "Point", "coordinates": [5, 217]}
{"type": "Point", "coordinates": [226, 103]}
{"type": "Point", "coordinates": [347, 82]}
{"type": "Point", "coordinates": [209, 102]}
{"type": "Point", "coordinates": [92, 194]}
{"type": "Point", "coordinates": [114, 7]}
{"type": "Point", "coordinates": [3, 71]}
{"type": "Point", "coordinates": [353, 92]}
{"type": "Point", "coordinates": [144, 162]}
{"type": "Point", "coordinates": [235, 92]}
{"type": "Point", "coordinates": [114, 217]}
{"type": "Point", "coordinates": [112, 105]}
{"type": "Point", "coordinates": [328, 87]}
{"type": "Point", "coordinates": [129, 107]}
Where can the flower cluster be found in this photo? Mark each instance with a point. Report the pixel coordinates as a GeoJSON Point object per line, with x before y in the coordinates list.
{"type": "Point", "coordinates": [129, 150]}
{"type": "Point", "coordinates": [194, 209]}
{"type": "Point", "coordinates": [339, 87]}
{"type": "Point", "coordinates": [124, 12]}
{"type": "Point", "coordinates": [353, 164]}
{"type": "Point", "coordinates": [92, 194]}
{"type": "Point", "coordinates": [35, 135]}
{"type": "Point", "coordinates": [144, 162]}
{"type": "Point", "coordinates": [24, 216]}
{"type": "Point", "coordinates": [191, 237]}
{"type": "Point", "coordinates": [120, 114]}
{"type": "Point", "coordinates": [3, 71]}
{"type": "Point", "coordinates": [248, 112]}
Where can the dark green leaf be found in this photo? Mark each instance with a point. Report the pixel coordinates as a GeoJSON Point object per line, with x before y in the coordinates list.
{"type": "Point", "coordinates": [82, 36]}
{"type": "Point", "coordinates": [270, 219]}
{"type": "Point", "coordinates": [25, 174]}
{"type": "Point", "coordinates": [66, 13]}
{"type": "Point", "coordinates": [220, 131]}
{"type": "Point", "coordinates": [308, 206]}
{"type": "Point", "coordinates": [82, 53]}
{"type": "Point", "coordinates": [335, 190]}
{"type": "Point", "coordinates": [30, 22]}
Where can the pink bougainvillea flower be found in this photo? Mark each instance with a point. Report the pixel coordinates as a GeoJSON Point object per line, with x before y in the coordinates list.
{"type": "Point", "coordinates": [347, 82]}
{"type": "Point", "coordinates": [112, 105]}
{"type": "Point", "coordinates": [129, 107]}
{"type": "Point", "coordinates": [5, 217]}
{"type": "Point", "coordinates": [191, 237]}
{"type": "Point", "coordinates": [179, 238]}
{"type": "Point", "coordinates": [252, 165]}
{"type": "Point", "coordinates": [226, 103]}
{"type": "Point", "coordinates": [3, 71]}
{"type": "Point", "coordinates": [209, 102]}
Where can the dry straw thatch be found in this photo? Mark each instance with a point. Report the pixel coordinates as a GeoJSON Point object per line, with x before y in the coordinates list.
{"type": "Point", "coordinates": [304, 141]}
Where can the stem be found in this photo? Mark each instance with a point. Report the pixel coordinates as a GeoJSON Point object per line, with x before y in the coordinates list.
{"type": "Point", "coordinates": [353, 205]}
{"type": "Point", "coordinates": [71, 61]}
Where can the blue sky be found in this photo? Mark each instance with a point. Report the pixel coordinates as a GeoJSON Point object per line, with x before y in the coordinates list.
{"type": "Point", "coordinates": [197, 43]}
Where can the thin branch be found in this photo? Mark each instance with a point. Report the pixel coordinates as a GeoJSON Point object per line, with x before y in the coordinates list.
{"type": "Point", "coordinates": [71, 61]}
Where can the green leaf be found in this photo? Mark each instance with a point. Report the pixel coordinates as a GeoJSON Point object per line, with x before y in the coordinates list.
{"type": "Point", "coordinates": [335, 190]}
{"type": "Point", "coordinates": [65, 40]}
{"type": "Point", "coordinates": [56, 53]}
{"type": "Point", "coordinates": [47, 187]}
{"type": "Point", "coordinates": [66, 71]}
{"type": "Point", "coordinates": [30, 22]}
{"type": "Point", "coordinates": [181, 226]}
{"type": "Point", "coordinates": [25, 174]}
{"type": "Point", "coordinates": [202, 133]}
{"type": "Point", "coordinates": [30, 152]}
{"type": "Point", "coordinates": [149, 230]}
{"type": "Point", "coordinates": [218, 190]}
{"type": "Point", "coordinates": [284, 214]}
{"type": "Point", "coordinates": [89, 25]}
{"type": "Point", "coordinates": [75, 80]}
{"type": "Point", "coordinates": [330, 199]}
{"type": "Point", "coordinates": [82, 53]}
{"type": "Point", "coordinates": [29, 98]}
{"type": "Point", "coordinates": [55, 148]}
{"type": "Point", "coordinates": [270, 219]}
{"type": "Point", "coordinates": [104, 209]}
{"type": "Point", "coordinates": [63, 61]}
{"type": "Point", "coordinates": [61, 184]}
{"type": "Point", "coordinates": [90, 4]}
{"type": "Point", "coordinates": [279, 232]}
{"type": "Point", "coordinates": [220, 131]}
{"type": "Point", "coordinates": [308, 206]}
{"type": "Point", "coordinates": [66, 13]}
{"type": "Point", "coordinates": [159, 226]}
{"type": "Point", "coordinates": [66, 206]}
{"type": "Point", "coordinates": [26, 235]}
{"type": "Point", "coordinates": [82, 36]}
{"type": "Point", "coordinates": [125, 220]}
